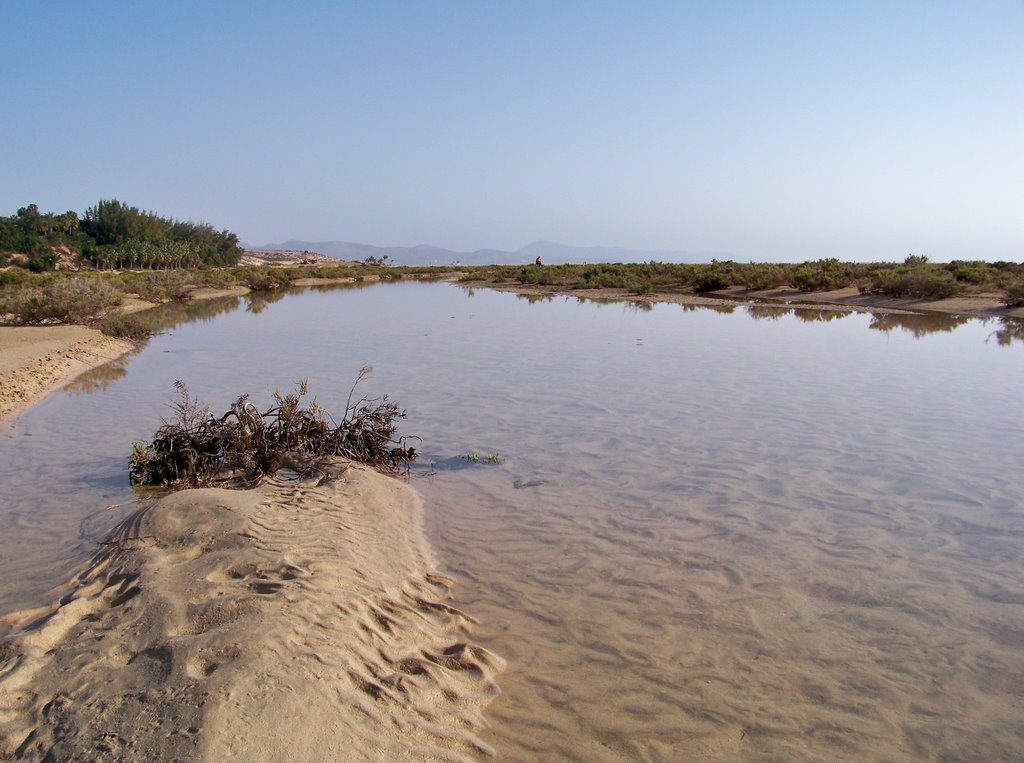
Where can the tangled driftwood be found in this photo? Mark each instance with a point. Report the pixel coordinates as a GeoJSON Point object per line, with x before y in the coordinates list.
{"type": "Point", "coordinates": [245, 443]}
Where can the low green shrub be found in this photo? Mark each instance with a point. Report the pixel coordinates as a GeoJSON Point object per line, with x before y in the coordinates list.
{"type": "Point", "coordinates": [213, 278]}
{"type": "Point", "coordinates": [157, 285]}
{"type": "Point", "coordinates": [823, 275]}
{"type": "Point", "coordinates": [919, 283]}
{"type": "Point", "coordinates": [640, 288]}
{"type": "Point", "coordinates": [41, 263]}
{"type": "Point", "coordinates": [711, 279]}
{"type": "Point", "coordinates": [14, 276]}
{"type": "Point", "coordinates": [762, 277]}
{"type": "Point", "coordinates": [266, 278]}
{"type": "Point", "coordinates": [976, 273]}
{"type": "Point", "coordinates": [1014, 295]}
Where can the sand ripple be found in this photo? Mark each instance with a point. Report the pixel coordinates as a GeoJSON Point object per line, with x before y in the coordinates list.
{"type": "Point", "coordinates": [294, 621]}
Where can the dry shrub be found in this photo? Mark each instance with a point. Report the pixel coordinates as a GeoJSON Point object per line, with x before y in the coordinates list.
{"type": "Point", "coordinates": [124, 327]}
{"type": "Point", "coordinates": [246, 444]}
{"type": "Point", "coordinates": [71, 300]}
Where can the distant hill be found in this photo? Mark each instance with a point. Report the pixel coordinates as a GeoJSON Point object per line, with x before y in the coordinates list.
{"type": "Point", "coordinates": [550, 252]}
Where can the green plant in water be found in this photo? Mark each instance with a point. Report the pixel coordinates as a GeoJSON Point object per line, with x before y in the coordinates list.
{"type": "Point", "coordinates": [492, 458]}
{"type": "Point", "coordinates": [472, 456]}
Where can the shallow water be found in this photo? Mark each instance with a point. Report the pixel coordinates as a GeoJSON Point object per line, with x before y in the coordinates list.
{"type": "Point", "coordinates": [744, 533]}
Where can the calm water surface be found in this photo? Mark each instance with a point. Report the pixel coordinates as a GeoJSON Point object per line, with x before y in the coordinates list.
{"type": "Point", "coordinates": [747, 534]}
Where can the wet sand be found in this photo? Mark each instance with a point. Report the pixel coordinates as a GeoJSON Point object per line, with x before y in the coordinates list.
{"type": "Point", "coordinates": [298, 621]}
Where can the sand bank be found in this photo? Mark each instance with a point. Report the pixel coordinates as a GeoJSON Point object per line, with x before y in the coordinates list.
{"type": "Point", "coordinates": [35, 360]}
{"type": "Point", "coordinates": [296, 621]}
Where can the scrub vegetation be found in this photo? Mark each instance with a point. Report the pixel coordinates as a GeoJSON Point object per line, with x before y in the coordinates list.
{"type": "Point", "coordinates": [914, 278]}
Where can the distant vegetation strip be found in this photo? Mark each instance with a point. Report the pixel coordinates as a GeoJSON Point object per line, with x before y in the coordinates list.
{"type": "Point", "coordinates": [915, 277]}
{"type": "Point", "coordinates": [62, 268]}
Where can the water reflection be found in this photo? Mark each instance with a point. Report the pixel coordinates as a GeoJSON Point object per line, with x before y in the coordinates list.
{"type": "Point", "coordinates": [918, 324]}
{"type": "Point", "coordinates": [720, 309]}
{"type": "Point", "coordinates": [101, 377]}
{"type": "Point", "coordinates": [1012, 330]}
{"type": "Point", "coordinates": [534, 297]}
{"type": "Point", "coordinates": [174, 314]}
{"type": "Point", "coordinates": [627, 305]}
{"type": "Point", "coordinates": [761, 312]}
{"type": "Point", "coordinates": [819, 315]}
{"type": "Point", "coordinates": [256, 302]}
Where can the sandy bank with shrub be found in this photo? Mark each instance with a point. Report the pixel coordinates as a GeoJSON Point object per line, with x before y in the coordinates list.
{"type": "Point", "coordinates": [38, 359]}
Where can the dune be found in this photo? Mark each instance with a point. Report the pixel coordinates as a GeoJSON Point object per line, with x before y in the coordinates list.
{"type": "Point", "coordinates": [300, 620]}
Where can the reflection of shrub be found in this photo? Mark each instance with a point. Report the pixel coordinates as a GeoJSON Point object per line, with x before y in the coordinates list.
{"type": "Point", "coordinates": [73, 300]}
{"type": "Point", "coordinates": [246, 443]}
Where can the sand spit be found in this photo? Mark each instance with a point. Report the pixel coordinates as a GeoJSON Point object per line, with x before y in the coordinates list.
{"type": "Point", "coordinates": [37, 359]}
{"type": "Point", "coordinates": [295, 621]}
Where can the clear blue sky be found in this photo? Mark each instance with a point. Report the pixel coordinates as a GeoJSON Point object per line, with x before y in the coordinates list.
{"type": "Point", "coordinates": [770, 130]}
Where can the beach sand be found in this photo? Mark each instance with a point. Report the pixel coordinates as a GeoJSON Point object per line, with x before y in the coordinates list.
{"type": "Point", "coordinates": [294, 621]}
{"type": "Point", "coordinates": [35, 360]}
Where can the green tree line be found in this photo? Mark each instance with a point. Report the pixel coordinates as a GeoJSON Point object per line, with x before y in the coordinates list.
{"type": "Point", "coordinates": [115, 235]}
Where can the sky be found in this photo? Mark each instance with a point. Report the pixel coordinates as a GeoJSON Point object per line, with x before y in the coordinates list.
{"type": "Point", "coordinates": [769, 131]}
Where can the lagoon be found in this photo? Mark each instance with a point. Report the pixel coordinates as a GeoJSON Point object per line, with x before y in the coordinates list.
{"type": "Point", "coordinates": [722, 534]}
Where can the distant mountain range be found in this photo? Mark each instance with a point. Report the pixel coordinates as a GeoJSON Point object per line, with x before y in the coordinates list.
{"type": "Point", "coordinates": [550, 252]}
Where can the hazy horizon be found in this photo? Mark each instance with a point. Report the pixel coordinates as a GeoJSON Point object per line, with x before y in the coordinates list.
{"type": "Point", "coordinates": [780, 132]}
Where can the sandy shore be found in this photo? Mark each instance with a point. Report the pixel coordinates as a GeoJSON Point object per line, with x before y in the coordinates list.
{"type": "Point", "coordinates": [35, 360]}
{"type": "Point", "coordinates": [295, 621]}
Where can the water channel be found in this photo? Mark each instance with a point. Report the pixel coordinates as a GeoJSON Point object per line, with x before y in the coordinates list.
{"type": "Point", "coordinates": [743, 533]}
